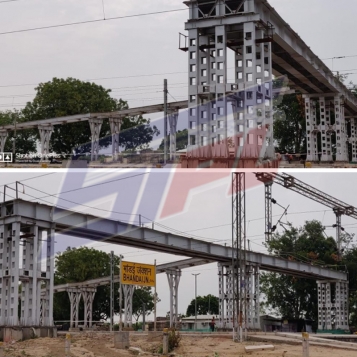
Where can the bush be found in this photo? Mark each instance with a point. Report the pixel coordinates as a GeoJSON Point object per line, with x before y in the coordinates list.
{"type": "Point", "coordinates": [174, 339]}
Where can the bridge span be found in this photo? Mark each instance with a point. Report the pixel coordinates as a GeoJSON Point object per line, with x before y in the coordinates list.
{"type": "Point", "coordinates": [25, 225]}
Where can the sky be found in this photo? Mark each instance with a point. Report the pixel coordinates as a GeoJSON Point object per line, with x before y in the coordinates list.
{"type": "Point", "coordinates": [138, 51]}
{"type": "Point", "coordinates": [191, 203]}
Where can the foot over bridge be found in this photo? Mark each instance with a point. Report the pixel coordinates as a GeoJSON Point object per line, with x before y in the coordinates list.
{"type": "Point", "coordinates": [22, 221]}
{"type": "Point", "coordinates": [264, 46]}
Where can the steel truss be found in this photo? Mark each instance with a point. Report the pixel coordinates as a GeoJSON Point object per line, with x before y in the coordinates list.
{"type": "Point", "coordinates": [332, 295]}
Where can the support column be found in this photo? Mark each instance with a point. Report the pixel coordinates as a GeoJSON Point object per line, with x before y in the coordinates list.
{"type": "Point", "coordinates": [268, 211]}
{"type": "Point", "coordinates": [324, 305]}
{"type": "Point", "coordinates": [128, 304]}
{"type": "Point", "coordinates": [173, 117]}
{"type": "Point", "coordinates": [311, 129]}
{"type": "Point", "coordinates": [253, 306]}
{"type": "Point", "coordinates": [353, 139]}
{"type": "Point", "coordinates": [173, 277]}
{"type": "Point", "coordinates": [3, 137]}
{"type": "Point", "coordinates": [45, 137]}
{"type": "Point", "coordinates": [222, 297]}
{"type": "Point", "coordinates": [6, 279]}
{"type": "Point", "coordinates": [333, 305]}
{"type": "Point", "coordinates": [74, 297]}
{"type": "Point", "coordinates": [95, 126]}
{"type": "Point", "coordinates": [325, 119]}
{"type": "Point", "coordinates": [254, 77]}
{"type": "Point", "coordinates": [115, 125]}
{"type": "Point", "coordinates": [341, 132]}
{"type": "Point", "coordinates": [13, 238]}
{"type": "Point", "coordinates": [48, 278]}
{"type": "Point", "coordinates": [88, 298]}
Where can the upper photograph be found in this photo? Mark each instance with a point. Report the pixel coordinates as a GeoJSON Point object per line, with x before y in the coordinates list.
{"type": "Point", "coordinates": [193, 84]}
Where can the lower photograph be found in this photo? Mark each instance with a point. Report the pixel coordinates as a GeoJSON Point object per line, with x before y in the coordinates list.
{"type": "Point", "coordinates": [197, 263]}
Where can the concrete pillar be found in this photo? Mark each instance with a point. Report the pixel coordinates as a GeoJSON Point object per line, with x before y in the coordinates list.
{"type": "Point", "coordinates": [165, 342]}
{"type": "Point", "coordinates": [45, 137]}
{"type": "Point", "coordinates": [115, 125]}
{"type": "Point", "coordinates": [305, 345]}
{"type": "Point", "coordinates": [3, 137]}
{"type": "Point", "coordinates": [95, 126]}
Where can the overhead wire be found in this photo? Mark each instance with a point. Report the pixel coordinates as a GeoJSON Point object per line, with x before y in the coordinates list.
{"type": "Point", "coordinates": [89, 21]}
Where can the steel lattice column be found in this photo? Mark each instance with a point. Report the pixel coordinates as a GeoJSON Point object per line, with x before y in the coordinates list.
{"type": "Point", "coordinates": [326, 129]}
{"type": "Point", "coordinates": [353, 139]}
{"type": "Point", "coordinates": [311, 128]}
{"type": "Point", "coordinates": [253, 306]}
{"type": "Point", "coordinates": [45, 137]}
{"type": "Point", "coordinates": [332, 305]}
{"type": "Point", "coordinates": [173, 278]}
{"type": "Point", "coordinates": [88, 298]}
{"type": "Point", "coordinates": [75, 295]}
{"type": "Point", "coordinates": [29, 275]}
{"type": "Point", "coordinates": [3, 137]}
{"type": "Point", "coordinates": [338, 212]}
{"type": "Point", "coordinates": [128, 304]}
{"type": "Point", "coordinates": [222, 296]}
{"type": "Point", "coordinates": [341, 130]}
{"type": "Point", "coordinates": [210, 94]}
{"type": "Point", "coordinates": [239, 241]}
{"type": "Point", "coordinates": [173, 117]}
{"type": "Point", "coordinates": [268, 210]}
{"type": "Point", "coordinates": [95, 126]}
{"type": "Point", "coordinates": [115, 125]}
{"type": "Point", "coordinates": [254, 73]}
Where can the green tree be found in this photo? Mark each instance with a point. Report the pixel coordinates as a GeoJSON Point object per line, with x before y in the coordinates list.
{"type": "Point", "coordinates": [292, 297]}
{"type": "Point", "coordinates": [208, 304]}
{"type": "Point", "coordinates": [290, 125]}
{"type": "Point", "coordinates": [81, 264]}
{"type": "Point", "coordinates": [136, 133]}
{"type": "Point", "coordinates": [143, 300]}
{"type": "Point", "coordinates": [181, 140]}
{"type": "Point", "coordinates": [25, 139]}
{"type": "Point", "coordinates": [66, 97]}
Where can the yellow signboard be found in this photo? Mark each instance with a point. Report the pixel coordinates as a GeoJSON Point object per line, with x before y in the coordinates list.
{"type": "Point", "coordinates": [137, 274]}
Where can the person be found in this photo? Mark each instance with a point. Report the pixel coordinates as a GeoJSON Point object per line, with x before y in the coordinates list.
{"type": "Point", "coordinates": [290, 158]}
{"type": "Point", "coordinates": [212, 324]}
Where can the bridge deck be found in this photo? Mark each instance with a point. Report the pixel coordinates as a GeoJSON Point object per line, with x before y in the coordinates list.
{"type": "Point", "coordinates": [105, 230]}
{"type": "Point", "coordinates": [157, 108]}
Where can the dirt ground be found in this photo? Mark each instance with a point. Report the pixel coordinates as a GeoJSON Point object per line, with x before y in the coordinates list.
{"type": "Point", "coordinates": [101, 345]}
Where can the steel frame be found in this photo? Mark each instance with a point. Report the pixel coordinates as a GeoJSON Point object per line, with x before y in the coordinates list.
{"type": "Point", "coordinates": [239, 261]}
{"type": "Point", "coordinates": [173, 278]}
{"type": "Point", "coordinates": [332, 311]}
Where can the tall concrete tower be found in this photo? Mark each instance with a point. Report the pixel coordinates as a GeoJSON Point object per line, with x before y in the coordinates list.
{"type": "Point", "coordinates": [230, 83]}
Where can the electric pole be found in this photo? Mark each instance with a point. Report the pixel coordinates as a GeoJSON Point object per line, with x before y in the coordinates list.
{"type": "Point", "coordinates": [195, 275]}
{"type": "Point", "coordinates": [165, 120]}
